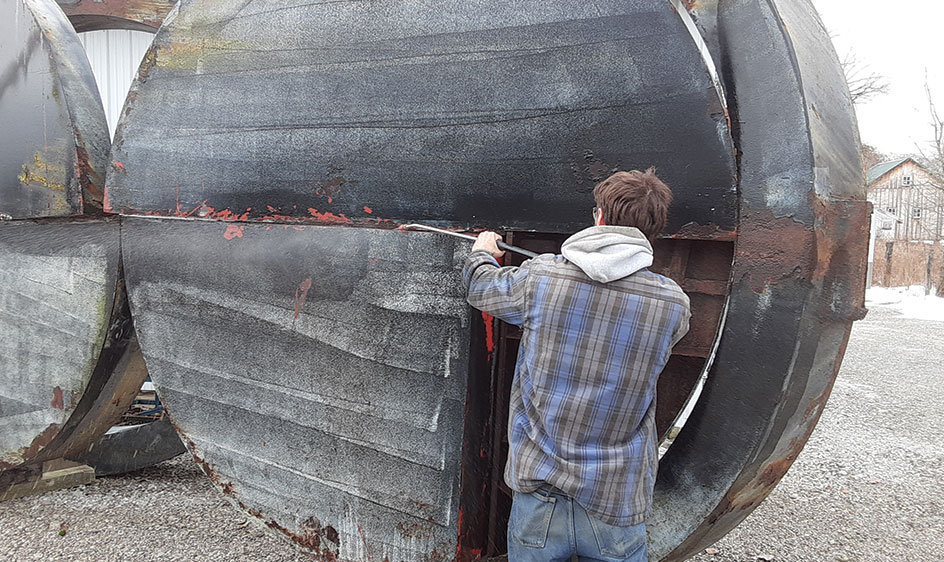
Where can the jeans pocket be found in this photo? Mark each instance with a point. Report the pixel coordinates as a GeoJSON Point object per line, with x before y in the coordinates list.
{"type": "Point", "coordinates": [531, 518]}
{"type": "Point", "coordinates": [619, 542]}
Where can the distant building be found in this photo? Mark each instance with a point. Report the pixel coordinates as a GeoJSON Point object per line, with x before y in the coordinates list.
{"type": "Point", "coordinates": [905, 191]}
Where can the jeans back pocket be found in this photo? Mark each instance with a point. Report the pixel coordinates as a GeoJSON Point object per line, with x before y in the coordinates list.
{"type": "Point", "coordinates": [531, 518]}
{"type": "Point", "coordinates": [619, 542]}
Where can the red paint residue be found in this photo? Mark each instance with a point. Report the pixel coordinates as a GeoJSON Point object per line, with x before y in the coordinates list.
{"type": "Point", "coordinates": [301, 293]}
{"type": "Point", "coordinates": [330, 188]}
{"type": "Point", "coordinates": [234, 231]}
{"type": "Point", "coordinates": [360, 530]}
{"type": "Point", "coordinates": [228, 215]}
{"type": "Point", "coordinates": [368, 210]}
{"type": "Point", "coordinates": [119, 165]}
{"type": "Point", "coordinates": [328, 217]}
{"type": "Point", "coordinates": [204, 210]}
{"type": "Point", "coordinates": [489, 331]}
{"type": "Point", "coordinates": [476, 553]}
{"type": "Point", "coordinates": [57, 400]}
{"type": "Point", "coordinates": [106, 203]}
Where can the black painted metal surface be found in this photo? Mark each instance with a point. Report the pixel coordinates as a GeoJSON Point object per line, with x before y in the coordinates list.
{"type": "Point", "coordinates": [64, 321]}
{"type": "Point", "coordinates": [132, 447]}
{"type": "Point", "coordinates": [318, 373]}
{"type": "Point", "coordinates": [58, 283]}
{"type": "Point", "coordinates": [54, 143]}
{"type": "Point", "coordinates": [472, 114]}
{"type": "Point", "coordinates": [798, 275]}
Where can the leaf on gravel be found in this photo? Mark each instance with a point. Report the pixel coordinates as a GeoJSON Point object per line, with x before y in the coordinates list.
{"type": "Point", "coordinates": [712, 551]}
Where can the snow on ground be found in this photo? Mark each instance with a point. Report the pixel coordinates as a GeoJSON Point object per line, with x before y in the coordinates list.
{"type": "Point", "coordinates": [911, 302]}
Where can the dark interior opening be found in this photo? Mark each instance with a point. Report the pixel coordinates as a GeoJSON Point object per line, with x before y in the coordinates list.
{"type": "Point", "coordinates": [701, 267]}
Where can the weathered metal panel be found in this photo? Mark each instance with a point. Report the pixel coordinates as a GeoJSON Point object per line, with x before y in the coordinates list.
{"type": "Point", "coordinates": [63, 319]}
{"type": "Point", "coordinates": [318, 373]}
{"type": "Point", "coordinates": [57, 289]}
{"type": "Point", "coordinates": [54, 143]}
{"type": "Point", "coordinates": [798, 275]}
{"type": "Point", "coordinates": [470, 114]}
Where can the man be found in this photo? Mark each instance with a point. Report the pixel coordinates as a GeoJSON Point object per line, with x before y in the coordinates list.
{"type": "Point", "coordinates": [598, 327]}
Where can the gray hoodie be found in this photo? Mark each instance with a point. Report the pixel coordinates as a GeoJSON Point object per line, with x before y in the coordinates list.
{"type": "Point", "coordinates": [607, 253]}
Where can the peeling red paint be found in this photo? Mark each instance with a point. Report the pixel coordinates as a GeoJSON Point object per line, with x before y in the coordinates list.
{"type": "Point", "coordinates": [57, 399]}
{"type": "Point", "coordinates": [368, 210]}
{"type": "Point", "coordinates": [234, 231]}
{"type": "Point", "coordinates": [106, 203]}
{"type": "Point", "coordinates": [328, 217]}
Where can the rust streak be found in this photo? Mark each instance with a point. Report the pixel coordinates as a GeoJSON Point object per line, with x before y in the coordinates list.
{"type": "Point", "coordinates": [57, 399]}
{"type": "Point", "coordinates": [301, 293]}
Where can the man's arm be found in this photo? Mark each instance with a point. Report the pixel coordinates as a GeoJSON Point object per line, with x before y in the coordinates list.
{"type": "Point", "coordinates": [496, 290]}
{"type": "Point", "coordinates": [683, 325]}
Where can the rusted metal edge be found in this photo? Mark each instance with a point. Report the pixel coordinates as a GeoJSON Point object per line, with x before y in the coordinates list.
{"type": "Point", "coordinates": [798, 277]}
{"type": "Point", "coordinates": [705, 15]}
{"type": "Point", "coordinates": [82, 101]}
{"type": "Point", "coordinates": [111, 389]}
{"type": "Point", "coordinates": [92, 15]}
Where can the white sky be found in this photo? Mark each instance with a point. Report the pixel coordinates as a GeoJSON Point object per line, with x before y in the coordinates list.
{"type": "Point", "coordinates": [899, 40]}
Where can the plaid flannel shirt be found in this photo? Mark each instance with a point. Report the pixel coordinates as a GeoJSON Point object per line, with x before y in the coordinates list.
{"type": "Point", "coordinates": [583, 399]}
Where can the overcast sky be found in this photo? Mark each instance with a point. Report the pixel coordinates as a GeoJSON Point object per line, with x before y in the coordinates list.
{"type": "Point", "coordinates": [899, 40]}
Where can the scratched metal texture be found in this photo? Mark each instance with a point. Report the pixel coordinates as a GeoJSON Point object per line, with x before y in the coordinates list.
{"type": "Point", "coordinates": [57, 290]}
{"type": "Point", "coordinates": [318, 374]}
{"type": "Point", "coordinates": [798, 276]}
{"type": "Point", "coordinates": [54, 143]}
{"type": "Point", "coordinates": [479, 113]}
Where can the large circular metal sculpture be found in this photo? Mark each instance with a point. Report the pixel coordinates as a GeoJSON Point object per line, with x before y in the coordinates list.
{"type": "Point", "coordinates": [63, 319]}
{"type": "Point", "coordinates": [324, 340]}
{"type": "Point", "coordinates": [325, 368]}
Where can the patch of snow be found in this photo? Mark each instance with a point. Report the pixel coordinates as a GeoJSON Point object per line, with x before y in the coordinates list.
{"type": "Point", "coordinates": [911, 302]}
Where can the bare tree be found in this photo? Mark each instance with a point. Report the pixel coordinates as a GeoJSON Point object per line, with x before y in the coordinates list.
{"type": "Point", "coordinates": [863, 83]}
{"type": "Point", "coordinates": [933, 155]}
{"type": "Point", "coordinates": [872, 156]}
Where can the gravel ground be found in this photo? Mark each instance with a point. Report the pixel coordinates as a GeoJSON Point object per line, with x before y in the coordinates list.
{"type": "Point", "coordinates": [869, 486]}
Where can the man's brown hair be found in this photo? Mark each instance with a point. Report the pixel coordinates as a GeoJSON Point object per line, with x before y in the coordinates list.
{"type": "Point", "coordinates": [634, 198]}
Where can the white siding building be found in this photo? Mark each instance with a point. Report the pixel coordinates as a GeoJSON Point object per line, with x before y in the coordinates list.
{"type": "Point", "coordinates": [903, 189]}
{"type": "Point", "coordinates": [115, 55]}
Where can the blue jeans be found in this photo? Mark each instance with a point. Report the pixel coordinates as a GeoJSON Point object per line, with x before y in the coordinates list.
{"type": "Point", "coordinates": [546, 526]}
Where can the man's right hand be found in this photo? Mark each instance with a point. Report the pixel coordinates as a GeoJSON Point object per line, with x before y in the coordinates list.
{"type": "Point", "coordinates": [488, 241]}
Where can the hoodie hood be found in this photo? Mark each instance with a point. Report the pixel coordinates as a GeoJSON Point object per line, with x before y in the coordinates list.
{"type": "Point", "coordinates": [607, 253]}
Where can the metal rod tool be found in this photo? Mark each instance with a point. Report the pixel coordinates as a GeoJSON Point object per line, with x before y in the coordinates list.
{"type": "Point", "coordinates": [501, 245]}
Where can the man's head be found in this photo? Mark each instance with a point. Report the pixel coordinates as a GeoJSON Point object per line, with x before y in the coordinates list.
{"type": "Point", "coordinates": [634, 198]}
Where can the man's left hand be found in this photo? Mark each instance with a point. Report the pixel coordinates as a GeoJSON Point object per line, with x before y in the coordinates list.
{"type": "Point", "coordinates": [488, 241]}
